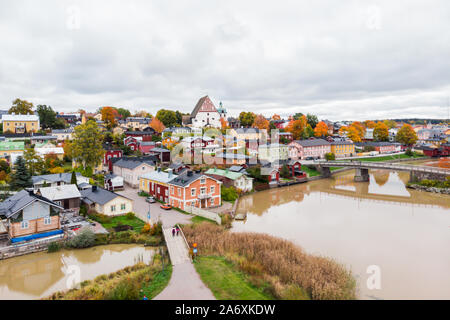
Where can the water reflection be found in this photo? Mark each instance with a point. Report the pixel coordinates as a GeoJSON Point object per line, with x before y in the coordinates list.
{"type": "Point", "coordinates": [380, 222]}
{"type": "Point", "coordinates": [40, 274]}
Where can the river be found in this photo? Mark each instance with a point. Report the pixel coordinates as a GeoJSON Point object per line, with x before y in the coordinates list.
{"type": "Point", "coordinates": [40, 274]}
{"type": "Point", "coordinates": [379, 229]}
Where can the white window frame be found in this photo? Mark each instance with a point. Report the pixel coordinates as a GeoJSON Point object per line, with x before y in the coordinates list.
{"type": "Point", "coordinates": [113, 208]}
{"type": "Point", "coordinates": [203, 190]}
{"type": "Point", "coordinates": [213, 189]}
{"type": "Point", "coordinates": [203, 180]}
{"type": "Point", "coordinates": [123, 206]}
{"type": "Point", "coordinates": [24, 225]}
{"type": "Point", "coordinates": [193, 191]}
{"type": "Point", "coordinates": [47, 220]}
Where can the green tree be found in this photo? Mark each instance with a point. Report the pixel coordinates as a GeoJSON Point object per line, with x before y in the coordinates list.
{"type": "Point", "coordinates": [124, 113]}
{"type": "Point", "coordinates": [285, 172]}
{"type": "Point", "coordinates": [406, 135]}
{"type": "Point", "coordinates": [73, 179]}
{"type": "Point", "coordinates": [33, 161]}
{"type": "Point", "coordinates": [21, 107]}
{"type": "Point", "coordinates": [47, 117]}
{"type": "Point", "coordinates": [247, 118]}
{"type": "Point", "coordinates": [4, 166]}
{"type": "Point", "coordinates": [87, 144]}
{"type": "Point", "coordinates": [21, 177]}
{"type": "Point", "coordinates": [312, 120]}
{"type": "Point", "coordinates": [298, 115]}
{"type": "Point", "coordinates": [330, 156]}
{"type": "Point", "coordinates": [167, 117]}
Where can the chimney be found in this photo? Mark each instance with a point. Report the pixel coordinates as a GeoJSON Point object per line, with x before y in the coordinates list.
{"type": "Point", "coordinates": [169, 171]}
{"type": "Point", "coordinates": [94, 188]}
{"type": "Point", "coordinates": [189, 173]}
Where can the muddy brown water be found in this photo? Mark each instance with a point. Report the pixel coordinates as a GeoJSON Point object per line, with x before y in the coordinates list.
{"type": "Point", "coordinates": [395, 240]}
{"type": "Point", "coordinates": [40, 274]}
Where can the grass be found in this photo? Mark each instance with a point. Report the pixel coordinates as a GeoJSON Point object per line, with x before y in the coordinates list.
{"type": "Point", "coordinates": [387, 158]}
{"type": "Point", "coordinates": [128, 237]}
{"type": "Point", "coordinates": [198, 219]}
{"type": "Point", "coordinates": [160, 281]}
{"type": "Point", "coordinates": [310, 172]}
{"type": "Point", "coordinates": [226, 281]}
{"type": "Point", "coordinates": [135, 222]}
{"type": "Point", "coordinates": [274, 265]}
{"type": "Point", "coordinates": [130, 283]}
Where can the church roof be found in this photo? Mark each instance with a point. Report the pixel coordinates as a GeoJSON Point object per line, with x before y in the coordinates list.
{"type": "Point", "coordinates": [203, 105]}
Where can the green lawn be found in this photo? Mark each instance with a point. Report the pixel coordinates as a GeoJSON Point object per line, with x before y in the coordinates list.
{"type": "Point", "coordinates": [386, 158]}
{"type": "Point", "coordinates": [158, 283]}
{"type": "Point", "coordinates": [225, 281]}
{"type": "Point", "coordinates": [310, 172]}
{"type": "Point", "coordinates": [198, 219]}
{"type": "Point", "coordinates": [135, 222]}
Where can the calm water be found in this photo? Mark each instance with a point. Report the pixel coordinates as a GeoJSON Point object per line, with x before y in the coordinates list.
{"type": "Point", "coordinates": [40, 274]}
{"type": "Point", "coordinates": [404, 232]}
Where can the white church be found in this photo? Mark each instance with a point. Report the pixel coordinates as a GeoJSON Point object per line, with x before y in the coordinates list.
{"type": "Point", "coordinates": [205, 114]}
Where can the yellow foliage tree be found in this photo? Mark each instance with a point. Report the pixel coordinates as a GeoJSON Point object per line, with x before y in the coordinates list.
{"type": "Point", "coordinates": [321, 129]}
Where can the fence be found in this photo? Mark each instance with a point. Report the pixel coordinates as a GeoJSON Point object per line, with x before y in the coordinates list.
{"type": "Point", "coordinates": [204, 213]}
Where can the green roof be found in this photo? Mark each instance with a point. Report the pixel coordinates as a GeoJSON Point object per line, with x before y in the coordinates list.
{"type": "Point", "coordinates": [225, 173]}
{"type": "Point", "coordinates": [12, 145]}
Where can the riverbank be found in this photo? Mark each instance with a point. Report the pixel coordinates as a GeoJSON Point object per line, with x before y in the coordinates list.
{"type": "Point", "coordinates": [272, 266]}
{"type": "Point", "coordinates": [428, 188]}
{"type": "Point", "coordinates": [129, 283]}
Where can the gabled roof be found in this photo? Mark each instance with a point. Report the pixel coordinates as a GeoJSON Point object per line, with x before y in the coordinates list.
{"type": "Point", "coordinates": [203, 105]}
{"type": "Point", "coordinates": [130, 163]}
{"type": "Point", "coordinates": [99, 195]}
{"type": "Point", "coordinates": [312, 142]}
{"type": "Point", "coordinates": [225, 173]}
{"type": "Point", "coordinates": [185, 179]}
{"type": "Point", "coordinates": [56, 177]}
{"type": "Point", "coordinates": [20, 117]}
{"type": "Point", "coordinates": [159, 176]}
{"type": "Point", "coordinates": [20, 200]}
{"type": "Point", "coordinates": [67, 191]}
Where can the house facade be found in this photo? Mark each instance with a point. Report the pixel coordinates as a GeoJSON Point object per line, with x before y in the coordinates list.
{"type": "Point", "coordinates": [62, 134]}
{"type": "Point", "coordinates": [109, 155]}
{"type": "Point", "coordinates": [113, 182]}
{"type": "Point", "coordinates": [106, 202]}
{"type": "Point", "coordinates": [315, 148]}
{"type": "Point", "coordinates": [131, 169]}
{"type": "Point", "coordinates": [205, 114]}
{"type": "Point", "coordinates": [156, 183]}
{"type": "Point", "coordinates": [30, 216]}
{"type": "Point", "coordinates": [57, 179]}
{"type": "Point", "coordinates": [230, 178]}
{"type": "Point", "coordinates": [194, 189]}
{"type": "Point", "coordinates": [11, 150]}
{"type": "Point", "coordinates": [66, 196]}
{"type": "Point", "coordinates": [342, 149]}
{"type": "Point", "coordinates": [20, 123]}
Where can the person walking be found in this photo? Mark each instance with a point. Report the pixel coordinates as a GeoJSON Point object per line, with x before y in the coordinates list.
{"type": "Point", "coordinates": [173, 232]}
{"type": "Point", "coordinates": [178, 231]}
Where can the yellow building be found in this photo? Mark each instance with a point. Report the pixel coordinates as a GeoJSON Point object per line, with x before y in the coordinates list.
{"type": "Point", "coordinates": [20, 123]}
{"type": "Point", "coordinates": [11, 150]}
{"type": "Point", "coordinates": [342, 149]}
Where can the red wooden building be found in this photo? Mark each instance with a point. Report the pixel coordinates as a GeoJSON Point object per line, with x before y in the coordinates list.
{"type": "Point", "coordinates": [109, 155]}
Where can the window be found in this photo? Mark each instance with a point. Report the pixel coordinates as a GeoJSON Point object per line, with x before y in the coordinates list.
{"type": "Point", "coordinates": [113, 208]}
{"type": "Point", "coordinates": [123, 206]}
{"type": "Point", "coordinates": [47, 220]}
{"type": "Point", "coordinates": [211, 201]}
{"type": "Point", "coordinates": [202, 190]}
{"type": "Point", "coordinates": [213, 189]}
{"type": "Point", "coordinates": [193, 192]}
{"type": "Point", "coordinates": [24, 225]}
{"type": "Point", "coordinates": [202, 180]}
{"type": "Point", "coordinates": [143, 168]}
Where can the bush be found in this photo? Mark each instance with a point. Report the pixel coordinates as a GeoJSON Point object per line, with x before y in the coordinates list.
{"type": "Point", "coordinates": [229, 194]}
{"type": "Point", "coordinates": [130, 215]}
{"type": "Point", "coordinates": [330, 156]}
{"type": "Point", "coordinates": [409, 152]}
{"type": "Point", "coordinates": [285, 172]}
{"type": "Point", "coordinates": [84, 239]}
{"type": "Point", "coordinates": [143, 194]}
{"type": "Point", "coordinates": [124, 290]}
{"type": "Point", "coordinates": [54, 246]}
{"type": "Point", "coordinates": [99, 217]}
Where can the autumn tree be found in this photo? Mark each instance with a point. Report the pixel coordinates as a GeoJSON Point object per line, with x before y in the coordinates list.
{"type": "Point", "coordinates": [157, 125]}
{"type": "Point", "coordinates": [260, 122]}
{"type": "Point", "coordinates": [87, 144]}
{"type": "Point", "coordinates": [351, 133]}
{"type": "Point", "coordinates": [21, 107]}
{"type": "Point", "coordinates": [276, 117]}
{"type": "Point", "coordinates": [390, 123]}
{"type": "Point", "coordinates": [359, 128]}
{"type": "Point", "coordinates": [406, 135]}
{"type": "Point", "coordinates": [223, 124]}
{"type": "Point", "coordinates": [246, 118]}
{"type": "Point", "coordinates": [297, 127]}
{"type": "Point", "coordinates": [321, 129]}
{"type": "Point", "coordinates": [109, 115]}
{"type": "Point", "coordinates": [369, 124]}
{"type": "Point", "coordinates": [381, 132]}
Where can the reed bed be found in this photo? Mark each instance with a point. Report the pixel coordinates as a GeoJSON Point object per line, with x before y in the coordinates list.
{"type": "Point", "coordinates": [290, 272]}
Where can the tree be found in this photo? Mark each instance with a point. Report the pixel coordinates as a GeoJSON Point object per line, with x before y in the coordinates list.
{"type": "Point", "coordinates": [381, 132]}
{"type": "Point", "coordinates": [21, 177]}
{"type": "Point", "coordinates": [330, 156]}
{"type": "Point", "coordinates": [321, 129]}
{"type": "Point", "coordinates": [351, 133]}
{"type": "Point", "coordinates": [73, 179]}
{"type": "Point", "coordinates": [47, 117]}
{"type": "Point", "coordinates": [276, 117]}
{"type": "Point", "coordinates": [297, 128]}
{"type": "Point", "coordinates": [285, 172]}
{"type": "Point", "coordinates": [223, 123]}
{"type": "Point", "coordinates": [246, 118]}
{"type": "Point", "coordinates": [312, 120]}
{"type": "Point", "coordinates": [67, 146]}
{"type": "Point", "coordinates": [390, 123]}
{"type": "Point", "coordinates": [406, 135]}
{"type": "Point", "coordinates": [124, 113]}
{"type": "Point", "coordinates": [167, 117]}
{"type": "Point", "coordinates": [87, 144]}
{"type": "Point", "coordinates": [359, 128]}
{"type": "Point", "coordinates": [260, 122]}
{"type": "Point", "coordinates": [21, 107]}
{"type": "Point", "coordinates": [298, 115]}
{"type": "Point", "coordinates": [33, 161]}
{"type": "Point", "coordinates": [109, 115]}
{"type": "Point", "coordinates": [157, 125]}
{"type": "Point", "coordinates": [369, 124]}
{"type": "Point", "coordinates": [4, 166]}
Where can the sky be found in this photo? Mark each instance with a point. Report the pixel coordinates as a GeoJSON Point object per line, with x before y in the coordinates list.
{"type": "Point", "coordinates": [340, 60]}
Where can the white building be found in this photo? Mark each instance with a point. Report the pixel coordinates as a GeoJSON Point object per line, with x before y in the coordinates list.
{"type": "Point", "coordinates": [205, 114]}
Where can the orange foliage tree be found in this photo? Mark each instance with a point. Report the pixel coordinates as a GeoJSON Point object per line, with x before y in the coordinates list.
{"type": "Point", "coordinates": [109, 115]}
{"type": "Point", "coordinates": [351, 132]}
{"type": "Point", "coordinates": [381, 132]}
{"type": "Point", "coordinates": [276, 117]}
{"type": "Point", "coordinates": [157, 125]}
{"type": "Point", "coordinates": [369, 124]}
{"type": "Point", "coordinates": [321, 129]}
{"type": "Point", "coordinates": [260, 122]}
{"type": "Point", "coordinates": [297, 127]}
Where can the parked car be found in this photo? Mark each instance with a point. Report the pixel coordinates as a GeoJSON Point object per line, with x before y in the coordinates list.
{"type": "Point", "coordinates": [166, 206]}
{"type": "Point", "coordinates": [309, 158]}
{"type": "Point", "coordinates": [150, 199]}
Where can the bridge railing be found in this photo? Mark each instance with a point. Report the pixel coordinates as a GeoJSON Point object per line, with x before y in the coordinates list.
{"type": "Point", "coordinates": [382, 165]}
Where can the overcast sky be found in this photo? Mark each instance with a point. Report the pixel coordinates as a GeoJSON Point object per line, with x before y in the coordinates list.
{"type": "Point", "coordinates": [338, 59]}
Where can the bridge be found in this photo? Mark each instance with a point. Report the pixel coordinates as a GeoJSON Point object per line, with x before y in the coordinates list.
{"type": "Point", "coordinates": [362, 169]}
